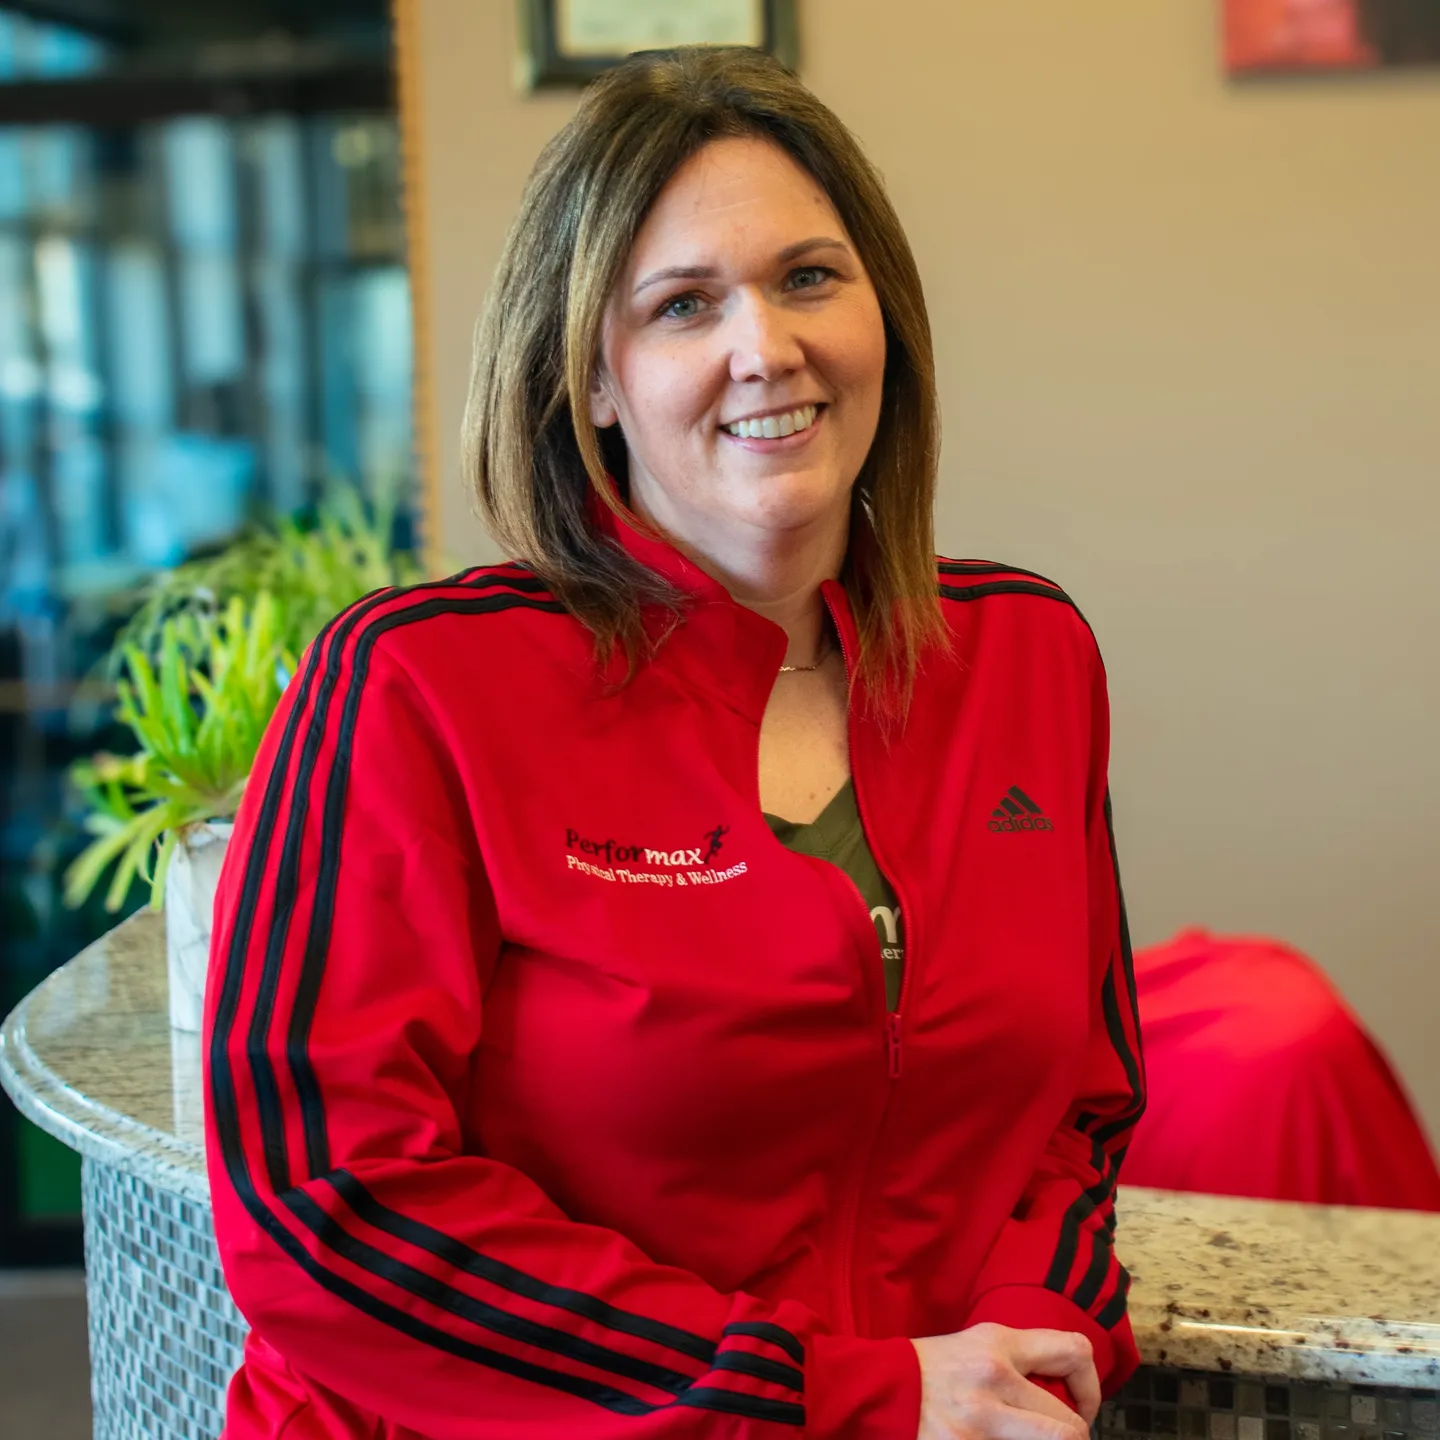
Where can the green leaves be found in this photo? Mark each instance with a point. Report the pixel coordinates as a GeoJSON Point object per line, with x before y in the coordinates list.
{"type": "Point", "coordinates": [312, 567]}
{"type": "Point", "coordinates": [198, 717]}
{"type": "Point", "coordinates": [202, 664]}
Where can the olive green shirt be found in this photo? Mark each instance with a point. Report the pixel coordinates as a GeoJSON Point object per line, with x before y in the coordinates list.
{"type": "Point", "coordinates": [836, 835]}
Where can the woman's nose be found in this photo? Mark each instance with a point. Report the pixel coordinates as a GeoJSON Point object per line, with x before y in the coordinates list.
{"type": "Point", "coordinates": [763, 340]}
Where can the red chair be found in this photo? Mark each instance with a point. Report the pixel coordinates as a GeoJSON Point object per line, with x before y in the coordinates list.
{"type": "Point", "coordinates": [1262, 1082]}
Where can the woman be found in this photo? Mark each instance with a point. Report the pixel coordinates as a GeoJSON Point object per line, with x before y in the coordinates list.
{"type": "Point", "coordinates": [560, 1084]}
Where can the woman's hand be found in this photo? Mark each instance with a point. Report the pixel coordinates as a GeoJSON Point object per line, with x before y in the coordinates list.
{"type": "Point", "coordinates": [973, 1385]}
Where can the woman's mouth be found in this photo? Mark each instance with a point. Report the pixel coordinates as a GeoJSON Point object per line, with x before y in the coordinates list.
{"type": "Point", "coordinates": [787, 430]}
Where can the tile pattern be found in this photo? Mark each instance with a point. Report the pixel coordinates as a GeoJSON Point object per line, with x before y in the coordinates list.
{"type": "Point", "coordinates": [1195, 1405]}
{"type": "Point", "coordinates": [165, 1336]}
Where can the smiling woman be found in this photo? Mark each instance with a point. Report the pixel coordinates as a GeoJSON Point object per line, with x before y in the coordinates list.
{"type": "Point", "coordinates": [707, 217]}
{"type": "Point", "coordinates": [626, 1016]}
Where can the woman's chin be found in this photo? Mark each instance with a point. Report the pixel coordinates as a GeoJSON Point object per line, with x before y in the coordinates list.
{"type": "Point", "coordinates": [793, 501]}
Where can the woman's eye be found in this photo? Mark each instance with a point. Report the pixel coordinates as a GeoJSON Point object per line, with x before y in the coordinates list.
{"type": "Point", "coordinates": [817, 275]}
{"type": "Point", "coordinates": [674, 309]}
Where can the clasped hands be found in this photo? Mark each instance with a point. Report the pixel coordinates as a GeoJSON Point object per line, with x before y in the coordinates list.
{"type": "Point", "coordinates": [974, 1385]}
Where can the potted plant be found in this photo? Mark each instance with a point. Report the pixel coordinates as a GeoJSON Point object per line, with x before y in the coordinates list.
{"type": "Point", "coordinates": [163, 813]}
{"type": "Point", "coordinates": [201, 667]}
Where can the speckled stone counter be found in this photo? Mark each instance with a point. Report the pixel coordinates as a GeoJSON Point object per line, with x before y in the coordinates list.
{"type": "Point", "coordinates": [1257, 1320]}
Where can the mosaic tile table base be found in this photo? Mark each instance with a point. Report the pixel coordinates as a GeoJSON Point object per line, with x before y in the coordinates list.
{"type": "Point", "coordinates": [1192, 1405]}
{"type": "Point", "coordinates": [165, 1337]}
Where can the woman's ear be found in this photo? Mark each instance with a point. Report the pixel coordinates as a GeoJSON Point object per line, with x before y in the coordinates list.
{"type": "Point", "coordinates": [603, 413]}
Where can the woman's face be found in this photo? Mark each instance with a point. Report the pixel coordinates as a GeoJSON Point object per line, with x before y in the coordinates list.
{"type": "Point", "coordinates": [742, 299]}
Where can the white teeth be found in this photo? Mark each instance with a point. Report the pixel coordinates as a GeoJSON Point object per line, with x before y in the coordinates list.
{"type": "Point", "coordinates": [772, 427]}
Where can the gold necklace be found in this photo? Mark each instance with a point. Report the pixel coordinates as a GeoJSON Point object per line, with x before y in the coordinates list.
{"type": "Point", "coordinates": [805, 669]}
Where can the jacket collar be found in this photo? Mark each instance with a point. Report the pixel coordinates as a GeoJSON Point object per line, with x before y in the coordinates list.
{"type": "Point", "coordinates": [722, 646]}
{"type": "Point", "coordinates": [655, 552]}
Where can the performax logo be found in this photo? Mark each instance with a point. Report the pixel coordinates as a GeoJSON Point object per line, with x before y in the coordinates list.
{"type": "Point", "coordinates": [682, 867]}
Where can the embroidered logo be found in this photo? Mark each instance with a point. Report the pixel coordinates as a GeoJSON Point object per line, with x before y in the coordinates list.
{"type": "Point", "coordinates": [1017, 811]}
{"type": "Point", "coordinates": [626, 864]}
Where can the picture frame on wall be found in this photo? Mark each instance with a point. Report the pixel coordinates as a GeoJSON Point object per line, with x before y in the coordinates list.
{"type": "Point", "coordinates": [1299, 36]}
{"type": "Point", "coordinates": [570, 42]}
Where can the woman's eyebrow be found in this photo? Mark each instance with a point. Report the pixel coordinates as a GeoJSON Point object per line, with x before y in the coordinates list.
{"type": "Point", "coordinates": [708, 272]}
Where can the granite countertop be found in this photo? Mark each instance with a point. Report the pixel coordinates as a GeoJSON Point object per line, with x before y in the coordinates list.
{"type": "Point", "coordinates": [90, 1056]}
{"type": "Point", "coordinates": [1249, 1286]}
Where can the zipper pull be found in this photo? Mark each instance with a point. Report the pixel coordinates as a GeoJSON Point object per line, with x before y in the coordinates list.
{"type": "Point", "coordinates": [892, 1028]}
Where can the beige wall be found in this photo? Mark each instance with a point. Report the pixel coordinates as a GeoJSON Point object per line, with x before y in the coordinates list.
{"type": "Point", "coordinates": [1189, 346]}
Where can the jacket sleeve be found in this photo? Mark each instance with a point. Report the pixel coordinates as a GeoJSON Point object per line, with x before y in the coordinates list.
{"type": "Point", "coordinates": [1054, 1264]}
{"type": "Point", "coordinates": [361, 1236]}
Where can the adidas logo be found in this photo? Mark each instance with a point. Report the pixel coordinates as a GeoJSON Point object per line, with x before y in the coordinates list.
{"type": "Point", "coordinates": [1017, 811]}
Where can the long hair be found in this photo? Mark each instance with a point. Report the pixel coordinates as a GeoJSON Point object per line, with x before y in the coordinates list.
{"type": "Point", "coordinates": [532, 455]}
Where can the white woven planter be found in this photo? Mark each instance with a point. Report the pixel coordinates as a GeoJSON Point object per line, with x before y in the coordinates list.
{"type": "Point", "coordinates": [190, 886]}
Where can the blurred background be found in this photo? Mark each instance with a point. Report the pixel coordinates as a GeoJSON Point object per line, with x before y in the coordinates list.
{"type": "Point", "coordinates": [204, 321]}
{"type": "Point", "coordinates": [1181, 265]}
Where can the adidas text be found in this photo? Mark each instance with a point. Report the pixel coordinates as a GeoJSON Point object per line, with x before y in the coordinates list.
{"type": "Point", "coordinates": [1025, 822]}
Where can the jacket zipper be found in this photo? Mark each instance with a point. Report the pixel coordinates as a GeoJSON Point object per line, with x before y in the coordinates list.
{"type": "Point", "coordinates": [892, 1029]}
{"type": "Point", "coordinates": [894, 1052]}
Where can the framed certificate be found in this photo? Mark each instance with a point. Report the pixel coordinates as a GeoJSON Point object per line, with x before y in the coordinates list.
{"type": "Point", "coordinates": [569, 42]}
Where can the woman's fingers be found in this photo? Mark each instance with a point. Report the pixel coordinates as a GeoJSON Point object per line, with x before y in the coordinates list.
{"type": "Point", "coordinates": [1084, 1385]}
{"type": "Point", "coordinates": [1062, 1353]}
{"type": "Point", "coordinates": [1005, 1422]}
{"type": "Point", "coordinates": [974, 1383]}
{"type": "Point", "coordinates": [1026, 1395]}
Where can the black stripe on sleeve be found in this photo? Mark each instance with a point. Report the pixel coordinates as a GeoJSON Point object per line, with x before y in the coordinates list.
{"type": "Point", "coordinates": [1045, 591]}
{"type": "Point", "coordinates": [1088, 1290]}
{"type": "Point", "coordinates": [1108, 1167]}
{"type": "Point", "coordinates": [513, 595]}
{"type": "Point", "coordinates": [742, 1362]}
{"type": "Point", "coordinates": [775, 1334]}
{"type": "Point", "coordinates": [330, 1232]}
{"type": "Point", "coordinates": [267, 1097]}
{"type": "Point", "coordinates": [326, 653]}
{"type": "Point", "coordinates": [332, 825]}
{"type": "Point", "coordinates": [1115, 1026]}
{"type": "Point", "coordinates": [1091, 1284]}
{"type": "Point", "coordinates": [989, 567]}
{"type": "Point", "coordinates": [484, 1267]}
{"type": "Point", "coordinates": [1132, 1058]}
{"type": "Point", "coordinates": [1007, 587]}
{"type": "Point", "coordinates": [1127, 956]}
{"type": "Point", "coordinates": [1114, 1312]}
{"type": "Point", "coordinates": [752, 1407]}
{"type": "Point", "coordinates": [1067, 1245]}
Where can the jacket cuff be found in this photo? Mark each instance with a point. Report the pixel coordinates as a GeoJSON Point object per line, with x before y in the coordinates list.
{"type": "Point", "coordinates": [1032, 1307]}
{"type": "Point", "coordinates": [861, 1389]}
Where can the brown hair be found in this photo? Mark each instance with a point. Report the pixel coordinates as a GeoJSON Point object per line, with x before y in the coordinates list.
{"type": "Point", "coordinates": [531, 451]}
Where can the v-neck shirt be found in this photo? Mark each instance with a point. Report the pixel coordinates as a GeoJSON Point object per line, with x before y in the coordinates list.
{"type": "Point", "coordinates": [837, 836]}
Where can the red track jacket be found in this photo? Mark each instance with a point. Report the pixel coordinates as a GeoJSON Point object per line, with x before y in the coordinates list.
{"type": "Point", "coordinates": [550, 1095]}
